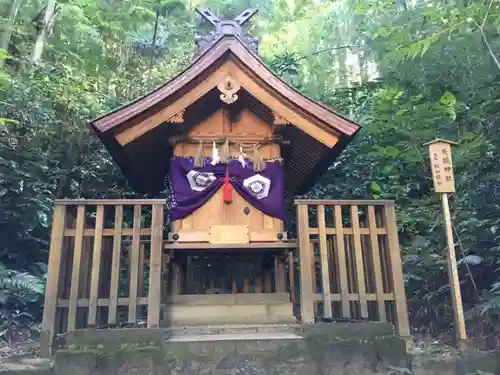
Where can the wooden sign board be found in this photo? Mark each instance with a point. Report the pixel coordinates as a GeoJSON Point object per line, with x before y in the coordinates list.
{"type": "Point", "coordinates": [229, 234]}
{"type": "Point", "coordinates": [442, 166]}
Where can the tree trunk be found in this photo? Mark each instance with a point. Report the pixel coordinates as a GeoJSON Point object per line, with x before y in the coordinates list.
{"type": "Point", "coordinates": [363, 66]}
{"type": "Point", "coordinates": [46, 23]}
{"type": "Point", "coordinates": [342, 56]}
{"type": "Point", "coordinates": [155, 34]}
{"type": "Point", "coordinates": [9, 27]}
{"type": "Point", "coordinates": [401, 5]}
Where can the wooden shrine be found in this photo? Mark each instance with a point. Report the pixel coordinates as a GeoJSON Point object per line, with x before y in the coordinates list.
{"type": "Point", "coordinates": [227, 142]}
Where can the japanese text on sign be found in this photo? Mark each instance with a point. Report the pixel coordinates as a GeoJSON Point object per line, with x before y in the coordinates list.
{"type": "Point", "coordinates": [442, 168]}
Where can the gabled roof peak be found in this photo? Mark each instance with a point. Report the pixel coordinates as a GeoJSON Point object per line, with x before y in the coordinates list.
{"type": "Point", "coordinates": [137, 134]}
{"type": "Point", "coordinates": [226, 27]}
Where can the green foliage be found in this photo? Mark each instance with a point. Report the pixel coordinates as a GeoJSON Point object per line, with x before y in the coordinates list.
{"type": "Point", "coordinates": [491, 305]}
{"type": "Point", "coordinates": [18, 290]}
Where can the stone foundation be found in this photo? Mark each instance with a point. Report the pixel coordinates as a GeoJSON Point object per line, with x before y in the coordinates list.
{"type": "Point", "coordinates": [360, 349]}
{"type": "Point", "coordinates": [320, 349]}
{"type": "Point", "coordinates": [323, 349]}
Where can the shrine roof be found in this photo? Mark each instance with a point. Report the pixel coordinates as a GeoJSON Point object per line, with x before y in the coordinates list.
{"type": "Point", "coordinates": [135, 134]}
{"type": "Point", "coordinates": [228, 45]}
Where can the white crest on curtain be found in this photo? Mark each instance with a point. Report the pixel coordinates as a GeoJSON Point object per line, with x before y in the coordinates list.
{"type": "Point", "coordinates": [199, 181]}
{"type": "Point", "coordinates": [258, 186]}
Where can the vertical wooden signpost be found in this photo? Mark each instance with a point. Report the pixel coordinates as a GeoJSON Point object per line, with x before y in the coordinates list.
{"type": "Point", "coordinates": [444, 183]}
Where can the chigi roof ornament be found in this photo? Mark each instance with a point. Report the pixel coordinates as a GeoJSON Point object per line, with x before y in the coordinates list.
{"type": "Point", "coordinates": [226, 27]}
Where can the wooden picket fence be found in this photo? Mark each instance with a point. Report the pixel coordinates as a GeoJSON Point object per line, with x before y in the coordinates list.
{"type": "Point", "coordinates": [350, 262]}
{"type": "Point", "coordinates": [92, 242]}
{"type": "Point", "coordinates": [106, 264]}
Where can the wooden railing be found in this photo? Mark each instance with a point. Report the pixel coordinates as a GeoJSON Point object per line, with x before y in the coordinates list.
{"type": "Point", "coordinates": [105, 265]}
{"type": "Point", "coordinates": [350, 263]}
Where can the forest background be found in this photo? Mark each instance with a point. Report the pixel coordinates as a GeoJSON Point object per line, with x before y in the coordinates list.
{"type": "Point", "coordinates": [408, 70]}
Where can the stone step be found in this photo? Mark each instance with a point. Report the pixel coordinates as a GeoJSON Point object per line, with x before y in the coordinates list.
{"type": "Point", "coordinates": [234, 329]}
{"type": "Point", "coordinates": [235, 337]}
{"type": "Point", "coordinates": [218, 312]}
{"type": "Point", "coordinates": [229, 299]}
{"type": "Point", "coordinates": [233, 332]}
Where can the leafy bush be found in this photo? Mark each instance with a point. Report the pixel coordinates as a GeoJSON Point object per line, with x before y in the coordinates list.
{"type": "Point", "coordinates": [21, 294]}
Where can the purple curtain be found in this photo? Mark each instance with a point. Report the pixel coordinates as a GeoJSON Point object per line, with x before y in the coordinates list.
{"type": "Point", "coordinates": [185, 200]}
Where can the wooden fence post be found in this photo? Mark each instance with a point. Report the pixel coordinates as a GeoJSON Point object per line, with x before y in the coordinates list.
{"type": "Point", "coordinates": [75, 273]}
{"type": "Point", "coordinates": [54, 266]}
{"type": "Point", "coordinates": [134, 265]}
{"type": "Point", "coordinates": [397, 273]}
{"type": "Point", "coordinates": [305, 254]}
{"type": "Point", "coordinates": [96, 267]}
{"type": "Point", "coordinates": [341, 262]}
{"type": "Point", "coordinates": [377, 268]}
{"type": "Point", "coordinates": [325, 271]}
{"type": "Point", "coordinates": [155, 267]}
{"type": "Point", "coordinates": [115, 265]}
{"type": "Point", "coordinates": [360, 270]}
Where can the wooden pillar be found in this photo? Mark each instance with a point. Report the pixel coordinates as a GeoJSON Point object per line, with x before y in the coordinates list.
{"type": "Point", "coordinates": [155, 266]}
{"type": "Point", "coordinates": [246, 274]}
{"type": "Point", "coordinates": [234, 275]}
{"type": "Point", "coordinates": [279, 274]}
{"type": "Point", "coordinates": [267, 282]}
{"type": "Point", "coordinates": [165, 274]}
{"type": "Point", "coordinates": [246, 283]}
{"type": "Point", "coordinates": [397, 273]}
{"type": "Point", "coordinates": [176, 276]}
{"type": "Point", "coordinates": [305, 257]}
{"type": "Point", "coordinates": [54, 266]}
{"type": "Point", "coordinates": [258, 274]}
{"type": "Point", "coordinates": [291, 276]}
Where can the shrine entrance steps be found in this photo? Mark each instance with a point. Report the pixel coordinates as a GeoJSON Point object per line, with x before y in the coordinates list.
{"type": "Point", "coordinates": [233, 332]}
{"type": "Point", "coordinates": [221, 309]}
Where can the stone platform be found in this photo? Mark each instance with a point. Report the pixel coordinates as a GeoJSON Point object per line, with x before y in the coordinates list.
{"type": "Point", "coordinates": [294, 349]}
{"type": "Point", "coordinates": [350, 348]}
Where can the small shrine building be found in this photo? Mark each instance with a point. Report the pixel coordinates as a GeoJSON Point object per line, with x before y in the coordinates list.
{"type": "Point", "coordinates": [234, 143]}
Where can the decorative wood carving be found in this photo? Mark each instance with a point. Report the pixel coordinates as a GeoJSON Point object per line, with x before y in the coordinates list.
{"type": "Point", "coordinates": [178, 118]}
{"type": "Point", "coordinates": [228, 88]}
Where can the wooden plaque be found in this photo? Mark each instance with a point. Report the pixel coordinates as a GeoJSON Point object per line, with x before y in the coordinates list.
{"type": "Point", "coordinates": [229, 234]}
{"type": "Point", "coordinates": [442, 166]}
